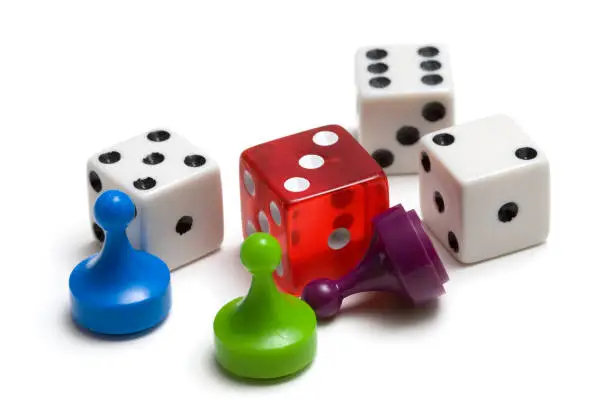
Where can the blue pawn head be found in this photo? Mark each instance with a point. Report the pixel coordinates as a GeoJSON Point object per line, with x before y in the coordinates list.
{"type": "Point", "coordinates": [114, 210]}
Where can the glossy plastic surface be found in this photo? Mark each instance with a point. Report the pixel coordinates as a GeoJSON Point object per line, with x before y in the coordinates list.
{"type": "Point", "coordinates": [401, 259]}
{"type": "Point", "coordinates": [267, 334]}
{"type": "Point", "coordinates": [120, 290]}
{"type": "Point", "coordinates": [325, 229]}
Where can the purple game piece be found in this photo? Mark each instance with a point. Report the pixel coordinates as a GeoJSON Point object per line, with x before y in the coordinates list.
{"type": "Point", "coordinates": [401, 259]}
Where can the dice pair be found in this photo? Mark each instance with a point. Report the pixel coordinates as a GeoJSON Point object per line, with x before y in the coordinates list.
{"type": "Point", "coordinates": [176, 189]}
{"type": "Point", "coordinates": [484, 186]}
{"type": "Point", "coordinates": [315, 191]}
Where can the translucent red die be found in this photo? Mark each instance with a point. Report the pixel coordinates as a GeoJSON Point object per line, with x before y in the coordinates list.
{"type": "Point", "coordinates": [316, 192]}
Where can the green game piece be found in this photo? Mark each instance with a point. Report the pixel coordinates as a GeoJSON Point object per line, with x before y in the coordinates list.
{"type": "Point", "coordinates": [266, 334]}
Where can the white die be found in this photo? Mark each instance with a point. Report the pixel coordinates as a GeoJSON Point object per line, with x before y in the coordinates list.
{"type": "Point", "coordinates": [404, 93]}
{"type": "Point", "coordinates": [484, 189]}
{"type": "Point", "coordinates": [176, 189]}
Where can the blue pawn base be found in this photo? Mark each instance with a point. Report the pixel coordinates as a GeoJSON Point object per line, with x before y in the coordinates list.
{"type": "Point", "coordinates": [124, 307]}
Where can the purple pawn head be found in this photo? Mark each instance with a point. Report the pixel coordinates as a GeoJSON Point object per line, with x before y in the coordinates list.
{"type": "Point", "coordinates": [324, 296]}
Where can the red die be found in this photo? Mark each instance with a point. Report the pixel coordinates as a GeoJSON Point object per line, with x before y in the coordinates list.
{"type": "Point", "coordinates": [316, 192]}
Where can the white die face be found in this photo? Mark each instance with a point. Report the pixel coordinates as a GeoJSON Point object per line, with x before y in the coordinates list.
{"type": "Point", "coordinates": [484, 189]}
{"type": "Point", "coordinates": [176, 189]}
{"type": "Point", "coordinates": [404, 92]}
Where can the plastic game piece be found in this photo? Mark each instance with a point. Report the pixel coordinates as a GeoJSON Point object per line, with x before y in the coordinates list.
{"type": "Point", "coordinates": [401, 259]}
{"type": "Point", "coordinates": [267, 334]}
{"type": "Point", "coordinates": [120, 290]}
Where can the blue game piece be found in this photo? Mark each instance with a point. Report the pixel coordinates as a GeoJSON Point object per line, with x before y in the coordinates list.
{"type": "Point", "coordinates": [120, 290]}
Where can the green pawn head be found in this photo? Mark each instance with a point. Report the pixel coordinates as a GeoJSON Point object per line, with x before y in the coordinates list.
{"type": "Point", "coordinates": [260, 254]}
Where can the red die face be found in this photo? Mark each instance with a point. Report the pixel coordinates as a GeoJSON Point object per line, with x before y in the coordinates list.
{"type": "Point", "coordinates": [316, 192]}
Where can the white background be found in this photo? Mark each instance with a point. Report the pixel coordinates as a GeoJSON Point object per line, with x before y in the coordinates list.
{"type": "Point", "coordinates": [530, 329]}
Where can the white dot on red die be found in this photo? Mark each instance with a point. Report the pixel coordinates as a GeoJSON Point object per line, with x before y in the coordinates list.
{"type": "Point", "coordinates": [275, 213]}
{"type": "Point", "coordinates": [311, 161]}
{"type": "Point", "coordinates": [339, 238]}
{"type": "Point", "coordinates": [263, 222]}
{"type": "Point", "coordinates": [297, 184]}
{"type": "Point", "coordinates": [250, 228]}
{"type": "Point", "coordinates": [249, 184]}
{"type": "Point", "coordinates": [325, 138]}
{"type": "Point", "coordinates": [279, 270]}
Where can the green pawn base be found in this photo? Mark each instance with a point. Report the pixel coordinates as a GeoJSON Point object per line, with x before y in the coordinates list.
{"type": "Point", "coordinates": [266, 334]}
{"type": "Point", "coordinates": [275, 350]}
